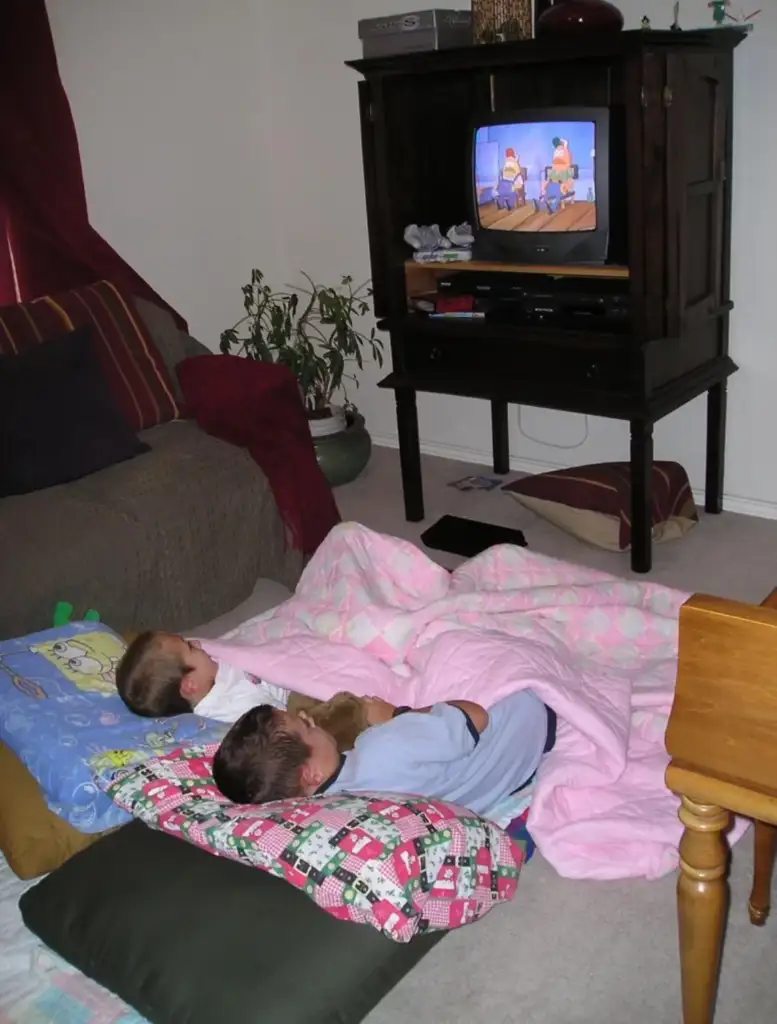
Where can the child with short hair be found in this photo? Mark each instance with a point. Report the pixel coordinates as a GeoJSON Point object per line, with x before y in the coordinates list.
{"type": "Point", "coordinates": [455, 751]}
{"type": "Point", "coordinates": [164, 674]}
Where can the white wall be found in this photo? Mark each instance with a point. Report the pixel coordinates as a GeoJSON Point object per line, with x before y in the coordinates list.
{"type": "Point", "coordinates": [169, 98]}
{"type": "Point", "coordinates": [217, 137]}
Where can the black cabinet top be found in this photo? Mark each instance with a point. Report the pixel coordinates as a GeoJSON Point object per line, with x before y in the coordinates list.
{"type": "Point", "coordinates": [549, 49]}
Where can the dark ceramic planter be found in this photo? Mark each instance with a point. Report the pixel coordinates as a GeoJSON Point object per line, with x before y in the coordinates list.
{"type": "Point", "coordinates": [343, 456]}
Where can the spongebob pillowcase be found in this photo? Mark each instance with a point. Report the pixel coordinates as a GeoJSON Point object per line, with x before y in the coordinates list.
{"type": "Point", "coordinates": [60, 714]}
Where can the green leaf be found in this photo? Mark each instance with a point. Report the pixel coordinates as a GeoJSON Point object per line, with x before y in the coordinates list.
{"type": "Point", "coordinates": [311, 330]}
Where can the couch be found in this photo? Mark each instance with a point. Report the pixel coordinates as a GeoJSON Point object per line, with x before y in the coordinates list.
{"type": "Point", "coordinates": [170, 539]}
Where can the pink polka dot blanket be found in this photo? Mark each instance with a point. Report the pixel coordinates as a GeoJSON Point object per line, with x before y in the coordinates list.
{"type": "Point", "coordinates": [403, 865]}
{"type": "Point", "coordinates": [374, 615]}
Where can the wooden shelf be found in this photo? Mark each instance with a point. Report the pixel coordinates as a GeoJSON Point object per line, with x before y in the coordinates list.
{"type": "Point", "coordinates": [421, 278]}
{"type": "Point", "coordinates": [490, 267]}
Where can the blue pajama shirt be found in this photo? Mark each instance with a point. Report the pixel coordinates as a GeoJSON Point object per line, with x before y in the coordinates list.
{"type": "Point", "coordinates": [438, 754]}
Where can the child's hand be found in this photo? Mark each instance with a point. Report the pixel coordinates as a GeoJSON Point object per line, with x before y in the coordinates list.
{"type": "Point", "coordinates": [378, 711]}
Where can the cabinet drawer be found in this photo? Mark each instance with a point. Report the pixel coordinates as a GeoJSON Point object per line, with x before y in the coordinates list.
{"type": "Point", "coordinates": [595, 367]}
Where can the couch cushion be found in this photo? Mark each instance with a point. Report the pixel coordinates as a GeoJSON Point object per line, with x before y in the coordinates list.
{"type": "Point", "coordinates": [58, 418]}
{"type": "Point", "coordinates": [185, 936]}
{"type": "Point", "coordinates": [166, 541]}
{"type": "Point", "coordinates": [133, 367]}
{"type": "Point", "coordinates": [58, 545]}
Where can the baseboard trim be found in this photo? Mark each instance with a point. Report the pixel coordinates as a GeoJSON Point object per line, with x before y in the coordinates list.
{"type": "Point", "coordinates": [731, 502]}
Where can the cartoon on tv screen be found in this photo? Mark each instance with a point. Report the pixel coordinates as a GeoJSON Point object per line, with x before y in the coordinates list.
{"type": "Point", "coordinates": [536, 176]}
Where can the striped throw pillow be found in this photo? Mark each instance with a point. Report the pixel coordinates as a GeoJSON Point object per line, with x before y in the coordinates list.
{"type": "Point", "coordinates": [594, 502]}
{"type": "Point", "coordinates": [129, 358]}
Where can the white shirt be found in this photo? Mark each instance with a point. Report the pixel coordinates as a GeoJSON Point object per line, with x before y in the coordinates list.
{"type": "Point", "coordinates": [234, 692]}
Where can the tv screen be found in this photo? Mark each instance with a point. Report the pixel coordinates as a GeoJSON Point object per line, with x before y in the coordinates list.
{"type": "Point", "coordinates": [536, 176]}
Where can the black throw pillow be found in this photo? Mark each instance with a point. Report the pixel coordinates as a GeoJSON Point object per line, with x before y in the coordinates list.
{"type": "Point", "coordinates": [184, 936]}
{"type": "Point", "coordinates": [58, 418]}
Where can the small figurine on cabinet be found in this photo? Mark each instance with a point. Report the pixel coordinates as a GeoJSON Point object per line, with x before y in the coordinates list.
{"type": "Point", "coordinates": [742, 19]}
{"type": "Point", "coordinates": [431, 246]}
{"type": "Point", "coordinates": [675, 26]}
{"type": "Point", "coordinates": [645, 23]}
{"type": "Point", "coordinates": [720, 15]}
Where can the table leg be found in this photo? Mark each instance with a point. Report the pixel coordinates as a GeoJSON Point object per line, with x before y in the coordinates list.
{"type": "Point", "coordinates": [716, 447]}
{"type": "Point", "coordinates": [702, 904]}
{"type": "Point", "coordinates": [761, 896]}
{"type": "Point", "coordinates": [641, 495]}
{"type": "Point", "coordinates": [500, 437]}
{"type": "Point", "coordinates": [410, 454]}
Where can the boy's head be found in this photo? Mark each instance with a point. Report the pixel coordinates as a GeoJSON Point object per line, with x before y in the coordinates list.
{"type": "Point", "coordinates": [273, 755]}
{"type": "Point", "coordinates": [163, 674]}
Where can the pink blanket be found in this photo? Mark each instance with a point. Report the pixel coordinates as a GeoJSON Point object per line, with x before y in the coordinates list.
{"type": "Point", "coordinates": [374, 615]}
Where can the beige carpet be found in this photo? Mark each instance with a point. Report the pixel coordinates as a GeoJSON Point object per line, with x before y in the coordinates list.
{"type": "Point", "coordinates": [575, 952]}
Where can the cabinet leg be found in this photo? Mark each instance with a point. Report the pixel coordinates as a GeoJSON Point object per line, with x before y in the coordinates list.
{"type": "Point", "coordinates": [641, 495]}
{"type": "Point", "coordinates": [500, 437]}
{"type": "Point", "coordinates": [761, 896]}
{"type": "Point", "coordinates": [410, 454]}
{"type": "Point", "coordinates": [702, 904]}
{"type": "Point", "coordinates": [716, 447]}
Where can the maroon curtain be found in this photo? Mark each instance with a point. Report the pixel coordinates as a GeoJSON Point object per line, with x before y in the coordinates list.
{"type": "Point", "coordinates": [46, 241]}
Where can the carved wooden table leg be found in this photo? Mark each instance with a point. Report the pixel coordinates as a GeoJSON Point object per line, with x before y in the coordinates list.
{"type": "Point", "coordinates": [702, 902]}
{"type": "Point", "coordinates": [761, 896]}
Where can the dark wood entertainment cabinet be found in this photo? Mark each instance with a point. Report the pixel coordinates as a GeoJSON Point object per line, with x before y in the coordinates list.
{"type": "Point", "coordinates": [672, 94]}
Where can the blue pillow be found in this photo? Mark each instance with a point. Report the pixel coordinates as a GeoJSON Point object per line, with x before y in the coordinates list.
{"type": "Point", "coordinates": [59, 707]}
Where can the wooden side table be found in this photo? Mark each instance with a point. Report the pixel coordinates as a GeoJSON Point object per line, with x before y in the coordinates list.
{"type": "Point", "coordinates": [722, 740]}
{"type": "Point", "coordinates": [765, 848]}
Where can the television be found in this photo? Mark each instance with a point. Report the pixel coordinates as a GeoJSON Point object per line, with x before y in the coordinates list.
{"type": "Point", "coordinates": [541, 186]}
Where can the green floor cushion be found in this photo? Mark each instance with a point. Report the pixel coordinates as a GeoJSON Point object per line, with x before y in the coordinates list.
{"type": "Point", "coordinates": [182, 935]}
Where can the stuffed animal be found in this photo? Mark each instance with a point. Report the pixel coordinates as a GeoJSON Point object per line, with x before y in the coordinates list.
{"type": "Point", "coordinates": [344, 716]}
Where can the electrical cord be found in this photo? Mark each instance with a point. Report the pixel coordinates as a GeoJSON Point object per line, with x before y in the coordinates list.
{"type": "Point", "coordinates": [549, 444]}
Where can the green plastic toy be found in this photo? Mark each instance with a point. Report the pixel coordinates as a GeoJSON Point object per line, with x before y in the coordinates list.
{"type": "Point", "coordinates": [63, 614]}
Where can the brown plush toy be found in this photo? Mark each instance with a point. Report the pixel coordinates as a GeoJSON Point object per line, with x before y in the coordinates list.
{"type": "Point", "coordinates": [344, 716]}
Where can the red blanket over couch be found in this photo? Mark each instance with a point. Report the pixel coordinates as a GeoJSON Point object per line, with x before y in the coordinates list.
{"type": "Point", "coordinates": [258, 406]}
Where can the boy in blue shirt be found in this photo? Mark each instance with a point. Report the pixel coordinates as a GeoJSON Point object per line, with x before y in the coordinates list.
{"type": "Point", "coordinates": [455, 751]}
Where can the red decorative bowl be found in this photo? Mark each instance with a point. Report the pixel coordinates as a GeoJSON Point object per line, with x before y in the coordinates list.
{"type": "Point", "coordinates": [568, 17]}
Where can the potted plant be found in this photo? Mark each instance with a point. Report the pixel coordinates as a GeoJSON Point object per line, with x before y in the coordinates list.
{"type": "Point", "coordinates": [313, 331]}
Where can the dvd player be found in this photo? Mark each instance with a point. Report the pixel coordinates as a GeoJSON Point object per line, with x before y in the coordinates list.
{"type": "Point", "coordinates": [542, 298]}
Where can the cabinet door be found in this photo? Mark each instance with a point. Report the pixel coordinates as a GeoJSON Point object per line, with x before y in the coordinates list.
{"type": "Point", "coordinates": [647, 155]}
{"type": "Point", "coordinates": [372, 190]}
{"type": "Point", "coordinates": [697, 100]}
{"type": "Point", "coordinates": [422, 129]}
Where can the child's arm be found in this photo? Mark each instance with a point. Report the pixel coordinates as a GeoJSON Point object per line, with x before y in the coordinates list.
{"type": "Point", "coordinates": [380, 711]}
{"type": "Point", "coordinates": [475, 712]}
